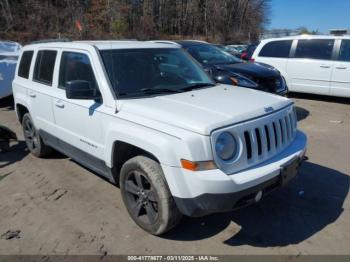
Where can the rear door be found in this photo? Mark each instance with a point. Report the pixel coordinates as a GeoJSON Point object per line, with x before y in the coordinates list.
{"type": "Point", "coordinates": [340, 84]}
{"type": "Point", "coordinates": [40, 89]}
{"type": "Point", "coordinates": [311, 65]}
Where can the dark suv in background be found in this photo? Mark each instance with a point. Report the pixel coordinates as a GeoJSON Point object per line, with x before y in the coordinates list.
{"type": "Point", "coordinates": [227, 69]}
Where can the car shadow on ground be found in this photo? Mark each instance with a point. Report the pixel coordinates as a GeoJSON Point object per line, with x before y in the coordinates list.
{"type": "Point", "coordinates": [16, 153]}
{"type": "Point", "coordinates": [54, 154]}
{"type": "Point", "coordinates": [7, 103]}
{"type": "Point", "coordinates": [332, 99]}
{"type": "Point", "coordinates": [302, 113]}
{"type": "Point", "coordinates": [290, 215]}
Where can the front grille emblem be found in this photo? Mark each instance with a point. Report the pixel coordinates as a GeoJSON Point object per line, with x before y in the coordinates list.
{"type": "Point", "coordinates": [268, 109]}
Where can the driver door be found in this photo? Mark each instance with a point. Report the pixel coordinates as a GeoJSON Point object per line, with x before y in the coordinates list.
{"type": "Point", "coordinates": [78, 122]}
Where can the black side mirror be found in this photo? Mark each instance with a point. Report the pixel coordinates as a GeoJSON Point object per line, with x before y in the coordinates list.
{"type": "Point", "coordinates": [81, 89]}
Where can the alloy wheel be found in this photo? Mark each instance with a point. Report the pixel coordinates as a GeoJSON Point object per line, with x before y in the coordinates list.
{"type": "Point", "coordinates": [30, 135]}
{"type": "Point", "coordinates": [141, 198]}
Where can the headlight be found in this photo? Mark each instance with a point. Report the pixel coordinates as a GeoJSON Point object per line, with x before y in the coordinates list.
{"type": "Point", "coordinates": [243, 81]}
{"type": "Point", "coordinates": [226, 146]}
{"type": "Point", "coordinates": [280, 84]}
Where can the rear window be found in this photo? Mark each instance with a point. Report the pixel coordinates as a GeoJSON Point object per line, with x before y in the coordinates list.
{"type": "Point", "coordinates": [279, 49]}
{"type": "Point", "coordinates": [44, 66]}
{"type": "Point", "coordinates": [344, 52]}
{"type": "Point", "coordinates": [315, 49]}
{"type": "Point", "coordinates": [24, 65]}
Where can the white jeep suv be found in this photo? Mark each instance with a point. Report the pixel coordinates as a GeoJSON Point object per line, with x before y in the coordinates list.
{"type": "Point", "coordinates": [147, 117]}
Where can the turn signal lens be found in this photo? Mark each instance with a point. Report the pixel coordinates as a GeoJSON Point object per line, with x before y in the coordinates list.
{"type": "Point", "coordinates": [234, 81]}
{"type": "Point", "coordinates": [198, 166]}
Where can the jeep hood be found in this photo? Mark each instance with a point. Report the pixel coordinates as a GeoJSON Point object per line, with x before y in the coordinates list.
{"type": "Point", "coordinates": [204, 110]}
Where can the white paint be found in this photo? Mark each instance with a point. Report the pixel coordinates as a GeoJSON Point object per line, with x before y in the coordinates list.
{"type": "Point", "coordinates": [171, 127]}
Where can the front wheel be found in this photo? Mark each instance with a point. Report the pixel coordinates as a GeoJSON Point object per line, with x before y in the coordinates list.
{"type": "Point", "coordinates": [147, 197]}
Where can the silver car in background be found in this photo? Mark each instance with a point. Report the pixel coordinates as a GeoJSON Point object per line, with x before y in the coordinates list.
{"type": "Point", "coordinates": [9, 53]}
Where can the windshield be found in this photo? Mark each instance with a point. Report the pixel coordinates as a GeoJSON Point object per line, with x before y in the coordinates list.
{"type": "Point", "coordinates": [208, 55]}
{"type": "Point", "coordinates": [142, 72]}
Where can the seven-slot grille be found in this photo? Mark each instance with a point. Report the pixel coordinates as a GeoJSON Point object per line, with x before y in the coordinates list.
{"type": "Point", "coordinates": [270, 137]}
{"type": "Point", "coordinates": [259, 139]}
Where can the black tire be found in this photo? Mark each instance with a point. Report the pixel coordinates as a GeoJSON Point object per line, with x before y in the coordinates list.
{"type": "Point", "coordinates": [147, 197]}
{"type": "Point", "coordinates": [33, 140]}
{"type": "Point", "coordinates": [4, 146]}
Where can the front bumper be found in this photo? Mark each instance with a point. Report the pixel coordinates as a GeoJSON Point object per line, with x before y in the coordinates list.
{"type": "Point", "coordinates": [206, 192]}
{"type": "Point", "coordinates": [213, 203]}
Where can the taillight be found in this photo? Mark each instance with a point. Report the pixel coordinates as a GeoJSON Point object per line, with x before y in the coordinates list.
{"type": "Point", "coordinates": [252, 59]}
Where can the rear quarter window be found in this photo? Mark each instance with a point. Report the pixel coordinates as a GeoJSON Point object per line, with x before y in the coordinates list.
{"type": "Point", "coordinates": [44, 66]}
{"type": "Point", "coordinates": [344, 52]}
{"type": "Point", "coordinates": [278, 49]}
{"type": "Point", "coordinates": [24, 65]}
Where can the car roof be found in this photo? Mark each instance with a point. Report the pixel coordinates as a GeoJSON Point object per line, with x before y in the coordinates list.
{"type": "Point", "coordinates": [101, 45]}
{"type": "Point", "coordinates": [305, 36]}
{"type": "Point", "coordinates": [188, 43]}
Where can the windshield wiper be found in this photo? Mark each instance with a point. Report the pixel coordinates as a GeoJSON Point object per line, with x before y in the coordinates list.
{"type": "Point", "coordinates": [196, 86]}
{"type": "Point", "coordinates": [150, 91]}
{"type": "Point", "coordinates": [158, 90]}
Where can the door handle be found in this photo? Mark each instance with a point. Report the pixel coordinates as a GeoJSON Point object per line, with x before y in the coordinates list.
{"type": "Point", "coordinates": [59, 104]}
{"type": "Point", "coordinates": [32, 94]}
{"type": "Point", "coordinates": [341, 67]}
{"type": "Point", "coordinates": [325, 66]}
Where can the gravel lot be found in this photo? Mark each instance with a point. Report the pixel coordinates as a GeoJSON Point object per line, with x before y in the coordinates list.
{"type": "Point", "coordinates": [55, 206]}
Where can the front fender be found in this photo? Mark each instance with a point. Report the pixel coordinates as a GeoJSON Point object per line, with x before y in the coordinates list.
{"type": "Point", "coordinates": [163, 146]}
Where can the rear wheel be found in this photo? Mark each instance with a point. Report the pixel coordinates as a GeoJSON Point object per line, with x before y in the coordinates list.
{"type": "Point", "coordinates": [33, 140]}
{"type": "Point", "coordinates": [147, 197]}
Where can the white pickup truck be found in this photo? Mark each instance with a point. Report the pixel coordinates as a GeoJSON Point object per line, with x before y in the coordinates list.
{"type": "Point", "coordinates": [148, 118]}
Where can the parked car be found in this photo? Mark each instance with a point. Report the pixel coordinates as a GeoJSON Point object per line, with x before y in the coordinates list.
{"type": "Point", "coordinates": [231, 50]}
{"type": "Point", "coordinates": [227, 69]}
{"type": "Point", "coordinates": [9, 52]}
{"type": "Point", "coordinates": [310, 64]}
{"type": "Point", "coordinates": [148, 118]}
{"type": "Point", "coordinates": [237, 49]}
{"type": "Point", "coordinates": [247, 55]}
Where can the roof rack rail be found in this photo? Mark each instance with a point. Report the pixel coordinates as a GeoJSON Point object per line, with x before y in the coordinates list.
{"type": "Point", "coordinates": [50, 41]}
{"type": "Point", "coordinates": [164, 42]}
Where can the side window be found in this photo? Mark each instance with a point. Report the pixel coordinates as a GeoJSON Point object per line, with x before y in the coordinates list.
{"type": "Point", "coordinates": [278, 49]}
{"type": "Point", "coordinates": [24, 65]}
{"type": "Point", "coordinates": [76, 66]}
{"type": "Point", "coordinates": [44, 66]}
{"type": "Point", "coordinates": [315, 49]}
{"type": "Point", "coordinates": [344, 52]}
